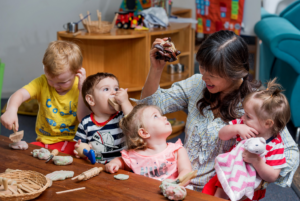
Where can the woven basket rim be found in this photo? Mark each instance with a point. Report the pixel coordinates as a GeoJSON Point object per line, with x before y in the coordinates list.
{"type": "Point", "coordinates": [31, 195]}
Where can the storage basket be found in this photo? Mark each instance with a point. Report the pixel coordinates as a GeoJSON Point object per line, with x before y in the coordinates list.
{"type": "Point", "coordinates": [29, 178]}
{"type": "Point", "coordinates": [97, 26]}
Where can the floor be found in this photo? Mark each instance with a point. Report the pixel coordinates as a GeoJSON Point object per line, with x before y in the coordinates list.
{"type": "Point", "coordinates": [274, 192]}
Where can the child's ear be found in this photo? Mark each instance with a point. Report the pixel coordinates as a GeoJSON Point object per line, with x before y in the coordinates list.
{"type": "Point", "coordinates": [143, 133]}
{"type": "Point", "coordinates": [269, 123]}
{"type": "Point", "coordinates": [90, 100]}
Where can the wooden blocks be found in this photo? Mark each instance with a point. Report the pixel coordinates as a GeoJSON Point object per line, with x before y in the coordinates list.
{"type": "Point", "coordinates": [114, 104]}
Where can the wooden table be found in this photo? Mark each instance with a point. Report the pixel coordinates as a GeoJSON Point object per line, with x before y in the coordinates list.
{"type": "Point", "coordinates": [101, 187]}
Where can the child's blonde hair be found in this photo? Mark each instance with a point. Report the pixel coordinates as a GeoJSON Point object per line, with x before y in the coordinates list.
{"type": "Point", "coordinates": [61, 56]}
{"type": "Point", "coordinates": [275, 105]}
{"type": "Point", "coordinates": [130, 125]}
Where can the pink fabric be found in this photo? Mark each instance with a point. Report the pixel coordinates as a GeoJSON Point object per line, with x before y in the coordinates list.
{"type": "Point", "coordinates": [160, 166]}
{"type": "Point", "coordinates": [237, 177]}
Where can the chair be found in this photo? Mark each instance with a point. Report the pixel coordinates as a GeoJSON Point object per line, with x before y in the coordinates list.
{"type": "Point", "coordinates": [279, 55]}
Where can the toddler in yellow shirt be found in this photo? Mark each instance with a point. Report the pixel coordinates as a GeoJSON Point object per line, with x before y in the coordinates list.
{"type": "Point", "coordinates": [57, 91]}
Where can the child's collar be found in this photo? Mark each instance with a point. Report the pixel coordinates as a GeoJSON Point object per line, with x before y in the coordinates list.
{"type": "Point", "coordinates": [101, 124]}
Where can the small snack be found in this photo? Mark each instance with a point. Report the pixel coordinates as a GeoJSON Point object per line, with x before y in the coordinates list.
{"type": "Point", "coordinates": [60, 175]}
{"type": "Point", "coordinates": [172, 190]}
{"type": "Point", "coordinates": [62, 160]}
{"type": "Point", "coordinates": [19, 145]}
{"type": "Point", "coordinates": [166, 51]}
{"type": "Point", "coordinates": [121, 176]}
{"type": "Point", "coordinates": [41, 153]}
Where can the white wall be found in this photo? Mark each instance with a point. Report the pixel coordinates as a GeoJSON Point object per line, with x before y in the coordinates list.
{"type": "Point", "coordinates": [27, 27]}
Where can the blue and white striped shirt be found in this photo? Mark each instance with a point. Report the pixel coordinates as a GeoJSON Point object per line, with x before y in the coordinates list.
{"type": "Point", "coordinates": [201, 132]}
{"type": "Point", "coordinates": [108, 139]}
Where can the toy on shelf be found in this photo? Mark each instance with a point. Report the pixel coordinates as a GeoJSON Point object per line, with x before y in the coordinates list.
{"type": "Point", "coordinates": [167, 51]}
{"type": "Point", "coordinates": [126, 20]}
{"type": "Point", "coordinates": [131, 5]}
{"type": "Point", "coordinates": [114, 104]}
{"type": "Point", "coordinates": [97, 26]}
{"type": "Point", "coordinates": [84, 150]}
{"type": "Point", "coordinates": [88, 174]}
{"type": "Point", "coordinates": [16, 136]}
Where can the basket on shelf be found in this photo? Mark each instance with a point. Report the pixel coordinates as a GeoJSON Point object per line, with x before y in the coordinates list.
{"type": "Point", "coordinates": [35, 180]}
{"type": "Point", "coordinates": [97, 26]}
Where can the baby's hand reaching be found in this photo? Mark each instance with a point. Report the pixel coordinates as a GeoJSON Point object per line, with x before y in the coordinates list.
{"type": "Point", "coordinates": [246, 132]}
{"type": "Point", "coordinates": [81, 74]}
{"type": "Point", "coordinates": [111, 167]}
{"type": "Point", "coordinates": [121, 96]}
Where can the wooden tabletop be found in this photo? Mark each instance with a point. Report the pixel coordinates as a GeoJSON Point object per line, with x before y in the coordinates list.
{"type": "Point", "coordinates": [101, 187]}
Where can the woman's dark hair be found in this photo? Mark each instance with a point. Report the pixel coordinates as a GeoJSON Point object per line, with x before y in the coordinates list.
{"type": "Point", "coordinates": [225, 54]}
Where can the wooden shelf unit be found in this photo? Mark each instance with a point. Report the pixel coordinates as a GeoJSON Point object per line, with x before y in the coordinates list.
{"type": "Point", "coordinates": [125, 53]}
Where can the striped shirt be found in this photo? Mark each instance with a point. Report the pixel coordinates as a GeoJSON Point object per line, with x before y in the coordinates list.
{"type": "Point", "coordinates": [108, 139]}
{"type": "Point", "coordinates": [274, 145]}
{"type": "Point", "coordinates": [201, 132]}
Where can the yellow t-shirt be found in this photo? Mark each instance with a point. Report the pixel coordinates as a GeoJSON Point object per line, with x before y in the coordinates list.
{"type": "Point", "coordinates": [57, 116]}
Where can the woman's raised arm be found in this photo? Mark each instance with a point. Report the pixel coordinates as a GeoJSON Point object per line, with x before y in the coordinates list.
{"type": "Point", "coordinates": [156, 69]}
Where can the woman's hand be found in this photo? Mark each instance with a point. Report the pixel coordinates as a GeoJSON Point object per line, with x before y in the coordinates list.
{"type": "Point", "coordinates": [155, 63]}
{"type": "Point", "coordinates": [81, 74]}
{"type": "Point", "coordinates": [245, 131]}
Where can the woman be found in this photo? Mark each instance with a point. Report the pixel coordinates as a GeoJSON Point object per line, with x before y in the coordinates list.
{"type": "Point", "coordinates": [212, 98]}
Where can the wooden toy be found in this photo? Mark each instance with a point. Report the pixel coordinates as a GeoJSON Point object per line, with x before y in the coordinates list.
{"type": "Point", "coordinates": [53, 153]}
{"type": "Point", "coordinates": [75, 189]}
{"type": "Point", "coordinates": [16, 136]}
{"type": "Point", "coordinates": [84, 150]}
{"type": "Point", "coordinates": [167, 51]}
{"type": "Point", "coordinates": [97, 26]}
{"type": "Point", "coordinates": [114, 104]}
{"type": "Point", "coordinates": [88, 174]}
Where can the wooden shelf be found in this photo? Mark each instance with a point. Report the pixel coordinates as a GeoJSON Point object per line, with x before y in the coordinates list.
{"type": "Point", "coordinates": [125, 53]}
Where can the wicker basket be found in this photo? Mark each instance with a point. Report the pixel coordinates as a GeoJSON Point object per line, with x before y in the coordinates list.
{"type": "Point", "coordinates": [97, 26]}
{"type": "Point", "coordinates": [26, 177]}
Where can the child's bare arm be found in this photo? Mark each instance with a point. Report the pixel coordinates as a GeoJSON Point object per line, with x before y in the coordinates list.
{"type": "Point", "coordinates": [265, 171]}
{"type": "Point", "coordinates": [230, 131]}
{"type": "Point", "coordinates": [10, 116]}
{"type": "Point", "coordinates": [82, 109]}
{"type": "Point", "coordinates": [184, 164]}
{"type": "Point", "coordinates": [116, 164]}
{"type": "Point", "coordinates": [122, 99]}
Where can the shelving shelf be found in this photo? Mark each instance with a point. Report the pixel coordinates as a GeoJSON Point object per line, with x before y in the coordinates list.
{"type": "Point", "coordinates": [125, 53]}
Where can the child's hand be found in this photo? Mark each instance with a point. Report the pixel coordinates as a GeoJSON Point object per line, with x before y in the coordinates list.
{"type": "Point", "coordinates": [111, 167]}
{"type": "Point", "coordinates": [249, 157]}
{"type": "Point", "coordinates": [245, 131]}
{"type": "Point", "coordinates": [81, 74]}
{"type": "Point", "coordinates": [121, 96]}
{"type": "Point", "coordinates": [9, 118]}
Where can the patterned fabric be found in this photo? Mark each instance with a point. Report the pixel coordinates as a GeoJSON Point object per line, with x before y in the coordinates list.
{"type": "Point", "coordinates": [107, 141]}
{"type": "Point", "coordinates": [160, 166]}
{"type": "Point", "coordinates": [237, 177]}
{"type": "Point", "coordinates": [201, 139]}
